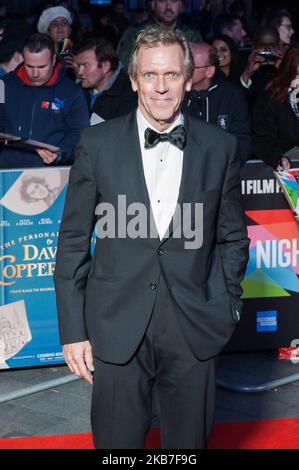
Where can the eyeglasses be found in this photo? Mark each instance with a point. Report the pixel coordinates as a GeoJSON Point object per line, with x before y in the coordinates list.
{"type": "Point", "coordinates": [202, 66]}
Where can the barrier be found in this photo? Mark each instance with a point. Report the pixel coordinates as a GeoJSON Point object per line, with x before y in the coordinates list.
{"type": "Point", "coordinates": [271, 285]}
{"type": "Point", "coordinates": [31, 205]}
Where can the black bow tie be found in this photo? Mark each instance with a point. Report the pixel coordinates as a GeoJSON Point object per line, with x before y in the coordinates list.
{"type": "Point", "coordinates": [176, 137]}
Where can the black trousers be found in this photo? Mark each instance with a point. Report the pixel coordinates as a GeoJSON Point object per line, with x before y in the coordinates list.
{"type": "Point", "coordinates": [121, 409]}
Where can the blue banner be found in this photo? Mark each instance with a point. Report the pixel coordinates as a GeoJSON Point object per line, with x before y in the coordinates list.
{"type": "Point", "coordinates": [31, 206]}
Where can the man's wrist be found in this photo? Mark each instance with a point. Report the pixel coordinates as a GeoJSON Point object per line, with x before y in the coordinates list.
{"type": "Point", "coordinates": [245, 80]}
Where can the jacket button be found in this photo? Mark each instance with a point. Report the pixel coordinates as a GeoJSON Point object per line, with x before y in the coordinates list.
{"type": "Point", "coordinates": [153, 286]}
{"type": "Point", "coordinates": [161, 252]}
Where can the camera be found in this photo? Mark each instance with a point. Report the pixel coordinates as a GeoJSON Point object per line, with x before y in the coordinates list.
{"type": "Point", "coordinates": [268, 55]}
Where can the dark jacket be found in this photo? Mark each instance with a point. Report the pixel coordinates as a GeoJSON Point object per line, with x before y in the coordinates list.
{"type": "Point", "coordinates": [53, 113]}
{"type": "Point", "coordinates": [109, 298]}
{"type": "Point", "coordinates": [260, 79]}
{"type": "Point", "coordinates": [117, 101]}
{"type": "Point", "coordinates": [128, 39]}
{"type": "Point", "coordinates": [225, 105]}
{"type": "Point", "coordinates": [275, 129]}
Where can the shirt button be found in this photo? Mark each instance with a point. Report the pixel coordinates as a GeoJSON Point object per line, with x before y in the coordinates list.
{"type": "Point", "coordinates": [153, 286]}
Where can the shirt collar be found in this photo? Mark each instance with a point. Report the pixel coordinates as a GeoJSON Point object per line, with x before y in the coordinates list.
{"type": "Point", "coordinates": [109, 84]}
{"type": "Point", "coordinates": [143, 123]}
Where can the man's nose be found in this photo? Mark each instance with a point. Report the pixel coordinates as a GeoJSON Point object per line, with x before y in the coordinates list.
{"type": "Point", "coordinates": [36, 73]}
{"type": "Point", "coordinates": [161, 84]}
{"type": "Point", "coordinates": [79, 69]}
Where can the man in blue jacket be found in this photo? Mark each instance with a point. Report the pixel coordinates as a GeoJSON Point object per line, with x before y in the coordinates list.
{"type": "Point", "coordinates": [41, 103]}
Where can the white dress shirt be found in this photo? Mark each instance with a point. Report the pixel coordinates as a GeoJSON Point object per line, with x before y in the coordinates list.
{"type": "Point", "coordinates": [162, 166]}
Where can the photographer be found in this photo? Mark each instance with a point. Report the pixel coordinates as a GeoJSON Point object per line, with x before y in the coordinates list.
{"type": "Point", "coordinates": [262, 63]}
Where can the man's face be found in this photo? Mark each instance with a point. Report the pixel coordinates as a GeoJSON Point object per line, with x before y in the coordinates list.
{"type": "Point", "coordinates": [59, 28]}
{"type": "Point", "coordinates": [286, 30]}
{"type": "Point", "coordinates": [161, 82]}
{"type": "Point", "coordinates": [237, 32]}
{"type": "Point", "coordinates": [203, 72]}
{"type": "Point", "coordinates": [88, 71]}
{"type": "Point", "coordinates": [38, 66]}
{"type": "Point", "coordinates": [267, 42]}
{"type": "Point", "coordinates": [167, 11]}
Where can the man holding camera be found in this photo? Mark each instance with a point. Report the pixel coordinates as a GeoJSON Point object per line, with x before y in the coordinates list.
{"type": "Point", "coordinates": [262, 63]}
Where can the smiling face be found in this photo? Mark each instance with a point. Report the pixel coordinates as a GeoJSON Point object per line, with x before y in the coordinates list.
{"type": "Point", "coordinates": [223, 52]}
{"type": "Point", "coordinates": [161, 81]}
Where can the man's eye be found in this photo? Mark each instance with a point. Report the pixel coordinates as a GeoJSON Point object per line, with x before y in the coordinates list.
{"type": "Point", "coordinates": [148, 74]}
{"type": "Point", "coordinates": [172, 74]}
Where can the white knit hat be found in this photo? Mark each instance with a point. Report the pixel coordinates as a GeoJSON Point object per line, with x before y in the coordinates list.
{"type": "Point", "coordinates": [49, 15]}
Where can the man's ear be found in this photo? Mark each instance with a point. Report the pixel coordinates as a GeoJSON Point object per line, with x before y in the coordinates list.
{"type": "Point", "coordinates": [188, 84]}
{"type": "Point", "coordinates": [211, 71]}
{"type": "Point", "coordinates": [133, 84]}
{"type": "Point", "coordinates": [54, 60]}
{"type": "Point", "coordinates": [18, 57]}
{"type": "Point", "coordinates": [106, 66]}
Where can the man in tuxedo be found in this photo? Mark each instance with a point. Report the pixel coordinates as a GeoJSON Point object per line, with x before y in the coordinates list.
{"type": "Point", "coordinates": [161, 295]}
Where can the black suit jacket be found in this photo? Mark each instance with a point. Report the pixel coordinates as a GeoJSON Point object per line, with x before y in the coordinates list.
{"type": "Point", "coordinates": [109, 298]}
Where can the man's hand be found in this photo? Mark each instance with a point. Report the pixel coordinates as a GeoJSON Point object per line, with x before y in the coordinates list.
{"type": "Point", "coordinates": [47, 156]}
{"type": "Point", "coordinates": [69, 61]}
{"type": "Point", "coordinates": [79, 359]}
{"type": "Point", "coordinates": [253, 64]}
{"type": "Point", "coordinates": [295, 83]}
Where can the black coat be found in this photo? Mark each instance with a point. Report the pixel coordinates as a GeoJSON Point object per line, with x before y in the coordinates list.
{"type": "Point", "coordinates": [225, 105]}
{"type": "Point", "coordinates": [275, 129]}
{"type": "Point", "coordinates": [108, 299]}
{"type": "Point", "coordinates": [117, 101]}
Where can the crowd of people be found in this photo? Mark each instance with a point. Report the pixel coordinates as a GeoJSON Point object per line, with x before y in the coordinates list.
{"type": "Point", "coordinates": [64, 70]}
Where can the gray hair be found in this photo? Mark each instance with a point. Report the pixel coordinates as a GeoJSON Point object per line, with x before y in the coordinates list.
{"type": "Point", "coordinates": [154, 35]}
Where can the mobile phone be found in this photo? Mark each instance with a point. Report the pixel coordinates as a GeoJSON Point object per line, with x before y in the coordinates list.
{"type": "Point", "coordinates": [64, 47]}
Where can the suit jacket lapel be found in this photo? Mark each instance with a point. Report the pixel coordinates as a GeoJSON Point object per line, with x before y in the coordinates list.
{"type": "Point", "coordinates": [192, 165]}
{"type": "Point", "coordinates": [193, 161]}
{"type": "Point", "coordinates": [131, 162]}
